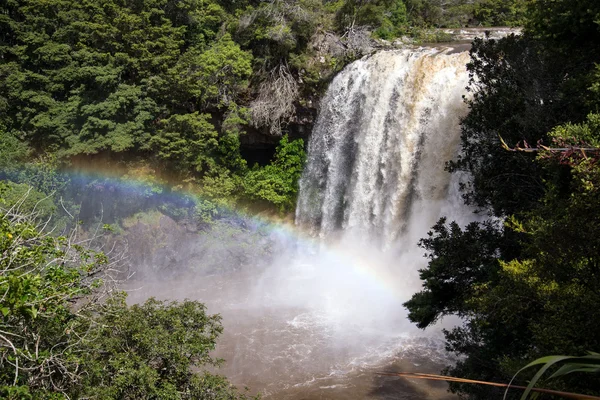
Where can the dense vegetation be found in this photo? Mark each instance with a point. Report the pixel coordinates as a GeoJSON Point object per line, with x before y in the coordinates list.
{"type": "Point", "coordinates": [66, 332]}
{"type": "Point", "coordinates": [166, 91]}
{"type": "Point", "coordinates": [526, 280]}
{"type": "Point", "coordinates": [173, 86]}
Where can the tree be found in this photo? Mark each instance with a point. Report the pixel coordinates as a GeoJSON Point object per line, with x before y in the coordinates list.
{"type": "Point", "coordinates": [213, 77]}
{"type": "Point", "coordinates": [154, 351]}
{"type": "Point", "coordinates": [461, 261]}
{"type": "Point", "coordinates": [500, 12]}
{"type": "Point", "coordinates": [520, 92]}
{"type": "Point", "coordinates": [40, 277]}
{"type": "Point", "coordinates": [530, 285]}
{"type": "Point", "coordinates": [386, 17]}
{"type": "Point", "coordinates": [66, 333]}
{"type": "Point", "coordinates": [565, 23]}
{"type": "Point", "coordinates": [187, 139]}
{"type": "Point", "coordinates": [277, 183]}
{"type": "Point", "coordinates": [539, 295]}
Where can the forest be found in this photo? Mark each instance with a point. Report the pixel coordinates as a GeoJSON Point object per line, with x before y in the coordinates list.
{"type": "Point", "coordinates": [177, 85]}
{"type": "Point", "coordinates": [210, 99]}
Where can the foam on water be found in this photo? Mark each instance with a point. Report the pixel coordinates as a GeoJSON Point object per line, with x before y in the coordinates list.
{"type": "Point", "coordinates": [325, 309]}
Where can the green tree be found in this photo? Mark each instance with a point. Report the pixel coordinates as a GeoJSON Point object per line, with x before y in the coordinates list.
{"type": "Point", "coordinates": [40, 275]}
{"type": "Point", "coordinates": [211, 77]}
{"type": "Point", "coordinates": [12, 151]}
{"type": "Point", "coordinates": [520, 91]}
{"type": "Point", "coordinates": [277, 183]}
{"type": "Point", "coordinates": [277, 29]}
{"type": "Point", "coordinates": [188, 140]}
{"type": "Point", "coordinates": [156, 350]}
{"type": "Point", "coordinates": [386, 17]}
{"type": "Point", "coordinates": [530, 286]}
{"type": "Point", "coordinates": [461, 260]}
{"type": "Point", "coordinates": [394, 22]}
{"type": "Point", "coordinates": [539, 295]}
{"type": "Point", "coordinates": [500, 12]}
{"type": "Point", "coordinates": [66, 333]}
{"type": "Point", "coordinates": [84, 77]}
{"type": "Point", "coordinates": [565, 22]}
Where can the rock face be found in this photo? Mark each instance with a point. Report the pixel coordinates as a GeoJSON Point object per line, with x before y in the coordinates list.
{"type": "Point", "coordinates": [258, 144]}
{"type": "Point", "coordinates": [302, 125]}
{"type": "Point", "coordinates": [162, 248]}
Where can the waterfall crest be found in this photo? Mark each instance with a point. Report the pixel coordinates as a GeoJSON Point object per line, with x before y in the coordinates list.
{"type": "Point", "coordinates": [387, 125]}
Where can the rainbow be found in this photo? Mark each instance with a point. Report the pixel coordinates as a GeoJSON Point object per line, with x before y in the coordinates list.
{"type": "Point", "coordinates": [111, 181]}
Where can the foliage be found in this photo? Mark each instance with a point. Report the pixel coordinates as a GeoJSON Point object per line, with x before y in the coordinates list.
{"type": "Point", "coordinates": [461, 13]}
{"type": "Point", "coordinates": [105, 76]}
{"type": "Point", "coordinates": [565, 23]}
{"type": "Point", "coordinates": [521, 88]}
{"type": "Point", "coordinates": [528, 288]}
{"type": "Point", "coordinates": [277, 183]}
{"type": "Point", "coordinates": [40, 275]}
{"type": "Point", "coordinates": [29, 201]}
{"type": "Point", "coordinates": [161, 82]}
{"type": "Point", "coordinates": [386, 17]}
{"type": "Point", "coordinates": [66, 333]}
{"type": "Point", "coordinates": [174, 83]}
{"type": "Point", "coordinates": [276, 29]}
{"type": "Point", "coordinates": [500, 12]}
{"type": "Point", "coordinates": [589, 363]}
{"type": "Point", "coordinates": [211, 77]}
{"type": "Point", "coordinates": [394, 22]}
{"type": "Point", "coordinates": [530, 285]}
{"type": "Point", "coordinates": [541, 297]}
{"type": "Point", "coordinates": [12, 151]}
{"type": "Point", "coordinates": [461, 261]}
{"type": "Point", "coordinates": [187, 139]}
{"type": "Point", "coordinates": [153, 351]}
{"type": "Point", "coordinates": [572, 29]}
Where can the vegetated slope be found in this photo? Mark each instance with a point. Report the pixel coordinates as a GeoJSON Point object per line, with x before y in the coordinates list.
{"type": "Point", "coordinates": [180, 85]}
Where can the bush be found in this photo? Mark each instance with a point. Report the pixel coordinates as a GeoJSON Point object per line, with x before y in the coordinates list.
{"type": "Point", "coordinates": [277, 183]}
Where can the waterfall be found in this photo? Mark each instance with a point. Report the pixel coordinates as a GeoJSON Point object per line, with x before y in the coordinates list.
{"type": "Point", "coordinates": [387, 125]}
{"type": "Point", "coordinates": [311, 318]}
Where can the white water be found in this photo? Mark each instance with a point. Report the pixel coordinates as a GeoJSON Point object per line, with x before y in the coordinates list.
{"type": "Point", "coordinates": [318, 317]}
{"type": "Point", "coordinates": [388, 124]}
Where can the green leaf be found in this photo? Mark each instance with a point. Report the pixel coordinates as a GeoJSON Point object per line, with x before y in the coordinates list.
{"type": "Point", "coordinates": [547, 361]}
{"type": "Point", "coordinates": [589, 363]}
{"type": "Point", "coordinates": [570, 368]}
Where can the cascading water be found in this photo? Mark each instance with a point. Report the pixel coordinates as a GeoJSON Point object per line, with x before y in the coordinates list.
{"type": "Point", "coordinates": [387, 125]}
{"type": "Point", "coordinates": [313, 316]}
{"type": "Point", "coordinates": [374, 183]}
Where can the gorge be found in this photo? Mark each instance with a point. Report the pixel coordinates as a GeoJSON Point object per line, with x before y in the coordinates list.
{"type": "Point", "coordinates": [321, 309]}
{"type": "Point", "coordinates": [199, 196]}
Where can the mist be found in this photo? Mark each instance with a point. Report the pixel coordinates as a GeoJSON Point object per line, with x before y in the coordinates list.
{"type": "Point", "coordinates": [316, 307]}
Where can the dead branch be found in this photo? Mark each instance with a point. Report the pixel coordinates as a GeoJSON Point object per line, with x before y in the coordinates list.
{"type": "Point", "coordinates": [275, 102]}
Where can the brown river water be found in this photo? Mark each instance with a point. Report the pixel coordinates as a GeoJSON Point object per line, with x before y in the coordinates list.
{"type": "Point", "coordinates": [299, 353]}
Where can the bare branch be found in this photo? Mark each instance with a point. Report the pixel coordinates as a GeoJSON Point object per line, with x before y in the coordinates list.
{"type": "Point", "coordinates": [275, 102]}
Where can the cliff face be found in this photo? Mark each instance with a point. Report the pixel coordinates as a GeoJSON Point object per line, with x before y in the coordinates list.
{"type": "Point", "coordinates": [329, 55]}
